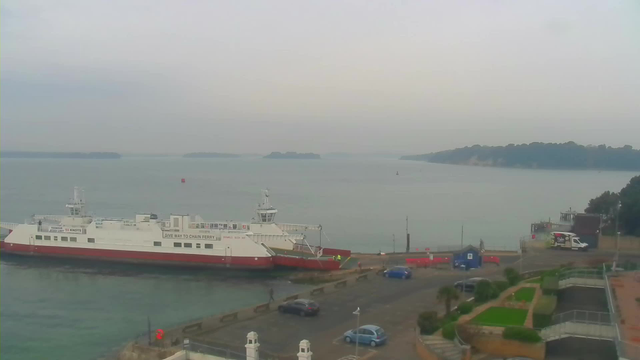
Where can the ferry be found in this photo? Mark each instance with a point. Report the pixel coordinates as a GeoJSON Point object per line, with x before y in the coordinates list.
{"type": "Point", "coordinates": [181, 239]}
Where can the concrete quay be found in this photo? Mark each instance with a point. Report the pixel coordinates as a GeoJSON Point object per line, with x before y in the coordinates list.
{"type": "Point", "coordinates": [391, 303]}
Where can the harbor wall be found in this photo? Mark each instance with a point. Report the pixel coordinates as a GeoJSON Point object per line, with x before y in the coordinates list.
{"type": "Point", "coordinates": [627, 243]}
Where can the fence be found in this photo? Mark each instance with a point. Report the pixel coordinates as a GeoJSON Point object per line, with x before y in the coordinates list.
{"type": "Point", "coordinates": [224, 353]}
{"type": "Point", "coordinates": [584, 317]}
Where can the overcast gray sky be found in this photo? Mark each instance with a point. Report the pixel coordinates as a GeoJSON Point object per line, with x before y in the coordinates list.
{"type": "Point", "coordinates": [356, 76]}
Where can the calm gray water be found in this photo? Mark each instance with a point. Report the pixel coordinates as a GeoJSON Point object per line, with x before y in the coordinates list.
{"type": "Point", "coordinates": [62, 310]}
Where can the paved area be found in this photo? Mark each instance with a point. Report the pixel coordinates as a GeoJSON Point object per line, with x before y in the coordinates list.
{"type": "Point", "coordinates": [626, 288]}
{"type": "Point", "coordinates": [391, 303]}
{"type": "Point", "coordinates": [581, 349]}
{"type": "Point", "coordinates": [582, 298]}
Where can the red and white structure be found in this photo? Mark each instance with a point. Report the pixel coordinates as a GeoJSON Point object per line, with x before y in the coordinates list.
{"type": "Point", "coordinates": [179, 240]}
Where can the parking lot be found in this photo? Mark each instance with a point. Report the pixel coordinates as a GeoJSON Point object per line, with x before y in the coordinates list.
{"type": "Point", "coordinates": [392, 304]}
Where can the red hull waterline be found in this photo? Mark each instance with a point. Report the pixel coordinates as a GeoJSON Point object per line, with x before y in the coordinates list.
{"type": "Point", "coordinates": [235, 262]}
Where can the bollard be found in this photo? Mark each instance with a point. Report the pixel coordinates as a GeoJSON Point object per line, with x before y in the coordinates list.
{"type": "Point", "coordinates": [252, 346]}
{"type": "Point", "coordinates": [305, 350]}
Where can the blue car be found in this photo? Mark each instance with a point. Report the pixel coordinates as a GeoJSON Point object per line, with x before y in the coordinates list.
{"type": "Point", "coordinates": [400, 272]}
{"type": "Point", "coordinates": [367, 334]}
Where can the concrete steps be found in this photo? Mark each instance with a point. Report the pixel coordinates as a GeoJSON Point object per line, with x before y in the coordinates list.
{"type": "Point", "coordinates": [445, 349]}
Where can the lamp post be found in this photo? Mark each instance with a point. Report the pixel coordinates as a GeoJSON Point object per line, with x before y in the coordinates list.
{"type": "Point", "coordinates": [357, 312]}
{"type": "Point", "coordinates": [617, 256]}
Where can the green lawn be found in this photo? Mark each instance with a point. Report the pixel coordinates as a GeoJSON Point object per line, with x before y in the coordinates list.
{"type": "Point", "coordinates": [525, 294]}
{"type": "Point", "coordinates": [499, 316]}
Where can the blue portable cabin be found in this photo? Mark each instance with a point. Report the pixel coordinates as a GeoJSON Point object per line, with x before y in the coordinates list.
{"type": "Point", "coordinates": [467, 258]}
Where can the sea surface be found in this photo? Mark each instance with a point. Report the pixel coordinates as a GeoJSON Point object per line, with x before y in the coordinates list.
{"type": "Point", "coordinates": [61, 309]}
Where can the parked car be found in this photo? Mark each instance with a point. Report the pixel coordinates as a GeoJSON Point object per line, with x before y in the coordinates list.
{"type": "Point", "coordinates": [400, 272]}
{"type": "Point", "coordinates": [302, 307]}
{"type": "Point", "coordinates": [367, 334]}
{"type": "Point", "coordinates": [468, 285]}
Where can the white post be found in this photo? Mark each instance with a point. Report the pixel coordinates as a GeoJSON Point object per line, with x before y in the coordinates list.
{"type": "Point", "coordinates": [252, 346]}
{"type": "Point", "coordinates": [305, 350]}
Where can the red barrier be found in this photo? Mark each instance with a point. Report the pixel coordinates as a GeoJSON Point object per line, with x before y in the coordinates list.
{"type": "Point", "coordinates": [491, 259]}
{"type": "Point", "coordinates": [425, 262]}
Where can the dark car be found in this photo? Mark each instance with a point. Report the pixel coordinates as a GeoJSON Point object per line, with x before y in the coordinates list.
{"type": "Point", "coordinates": [400, 272]}
{"type": "Point", "coordinates": [302, 307]}
{"type": "Point", "coordinates": [468, 285]}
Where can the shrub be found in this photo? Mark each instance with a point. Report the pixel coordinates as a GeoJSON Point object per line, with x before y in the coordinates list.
{"type": "Point", "coordinates": [428, 322]}
{"type": "Point", "coordinates": [485, 291]}
{"type": "Point", "coordinates": [552, 272]}
{"type": "Point", "coordinates": [521, 334]}
{"type": "Point", "coordinates": [501, 285]}
{"type": "Point", "coordinates": [550, 285]}
{"type": "Point", "coordinates": [512, 275]}
{"type": "Point", "coordinates": [449, 331]}
{"type": "Point", "coordinates": [465, 308]}
{"type": "Point", "coordinates": [543, 311]}
{"type": "Point", "coordinates": [451, 317]}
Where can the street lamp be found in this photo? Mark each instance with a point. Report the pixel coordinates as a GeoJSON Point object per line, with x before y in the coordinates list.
{"type": "Point", "coordinates": [617, 256]}
{"type": "Point", "coordinates": [357, 312]}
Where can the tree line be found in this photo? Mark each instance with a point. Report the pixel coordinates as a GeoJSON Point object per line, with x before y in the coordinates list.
{"type": "Point", "coordinates": [568, 155]}
{"type": "Point", "coordinates": [625, 205]}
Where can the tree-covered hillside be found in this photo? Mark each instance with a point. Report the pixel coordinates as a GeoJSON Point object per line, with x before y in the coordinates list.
{"type": "Point", "coordinates": [539, 155]}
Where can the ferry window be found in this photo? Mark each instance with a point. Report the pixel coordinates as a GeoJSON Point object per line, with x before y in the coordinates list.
{"type": "Point", "coordinates": [157, 243]}
{"type": "Point", "coordinates": [55, 238]}
{"type": "Point", "coordinates": [74, 239]}
{"type": "Point", "coordinates": [208, 246]}
{"type": "Point", "coordinates": [235, 226]}
{"type": "Point", "coordinates": [64, 238]}
{"type": "Point", "coordinates": [47, 237]}
{"type": "Point", "coordinates": [197, 246]}
{"type": "Point", "coordinates": [91, 240]}
{"type": "Point", "coordinates": [188, 245]}
{"type": "Point", "coordinates": [177, 244]}
{"type": "Point", "coordinates": [38, 237]}
{"type": "Point", "coordinates": [176, 222]}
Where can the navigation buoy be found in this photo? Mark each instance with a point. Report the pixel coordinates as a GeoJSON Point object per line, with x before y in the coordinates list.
{"type": "Point", "coordinates": [183, 181]}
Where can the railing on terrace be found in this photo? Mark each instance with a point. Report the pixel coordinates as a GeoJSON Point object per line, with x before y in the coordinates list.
{"type": "Point", "coordinates": [584, 317]}
{"type": "Point", "coordinates": [583, 273]}
{"type": "Point", "coordinates": [224, 353]}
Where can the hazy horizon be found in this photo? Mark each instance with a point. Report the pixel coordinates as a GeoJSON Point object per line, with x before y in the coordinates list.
{"type": "Point", "coordinates": [408, 77]}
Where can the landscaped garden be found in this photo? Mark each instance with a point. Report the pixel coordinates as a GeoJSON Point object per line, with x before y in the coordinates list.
{"type": "Point", "coordinates": [525, 294]}
{"type": "Point", "coordinates": [501, 316]}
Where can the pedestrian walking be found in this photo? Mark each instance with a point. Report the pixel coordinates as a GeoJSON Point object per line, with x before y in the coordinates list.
{"type": "Point", "coordinates": [271, 295]}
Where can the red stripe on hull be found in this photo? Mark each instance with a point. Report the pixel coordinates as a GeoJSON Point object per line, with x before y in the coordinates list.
{"type": "Point", "coordinates": [139, 256]}
{"type": "Point", "coordinates": [306, 263]}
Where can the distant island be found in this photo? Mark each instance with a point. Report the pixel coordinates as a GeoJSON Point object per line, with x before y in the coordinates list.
{"type": "Point", "coordinates": [210, 155]}
{"type": "Point", "coordinates": [292, 155]}
{"type": "Point", "coordinates": [539, 155]}
{"type": "Point", "coordinates": [58, 155]}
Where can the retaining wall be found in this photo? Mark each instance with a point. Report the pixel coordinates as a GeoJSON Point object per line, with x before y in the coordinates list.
{"type": "Point", "coordinates": [496, 345]}
{"type": "Point", "coordinates": [627, 243]}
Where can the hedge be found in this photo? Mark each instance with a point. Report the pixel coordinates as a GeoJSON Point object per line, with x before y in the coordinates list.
{"type": "Point", "coordinates": [550, 285]}
{"type": "Point", "coordinates": [521, 334]}
{"type": "Point", "coordinates": [449, 331]}
{"type": "Point", "coordinates": [543, 311]}
{"type": "Point", "coordinates": [465, 307]}
{"type": "Point", "coordinates": [428, 322]}
{"type": "Point", "coordinates": [501, 285]}
{"type": "Point", "coordinates": [485, 291]}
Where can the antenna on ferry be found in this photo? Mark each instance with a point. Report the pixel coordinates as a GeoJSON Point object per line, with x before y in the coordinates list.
{"type": "Point", "coordinates": [266, 212]}
{"type": "Point", "coordinates": [76, 205]}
